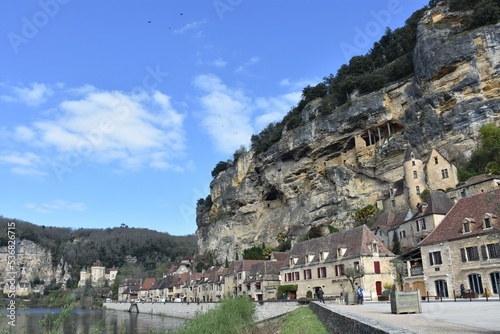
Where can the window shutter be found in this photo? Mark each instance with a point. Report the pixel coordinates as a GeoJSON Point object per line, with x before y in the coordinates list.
{"type": "Point", "coordinates": [462, 252]}
{"type": "Point", "coordinates": [497, 248]}
{"type": "Point", "coordinates": [438, 258]}
{"type": "Point", "coordinates": [476, 253]}
{"type": "Point", "coordinates": [483, 252]}
{"type": "Point", "coordinates": [431, 259]}
{"type": "Point", "coordinates": [376, 265]}
{"type": "Point", "coordinates": [337, 270]}
{"type": "Point", "coordinates": [416, 223]}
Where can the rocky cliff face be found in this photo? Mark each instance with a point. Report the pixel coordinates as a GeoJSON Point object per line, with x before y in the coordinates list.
{"type": "Point", "coordinates": [320, 173]}
{"type": "Point", "coordinates": [32, 263]}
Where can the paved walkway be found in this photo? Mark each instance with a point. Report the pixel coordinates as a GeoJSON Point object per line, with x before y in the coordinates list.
{"type": "Point", "coordinates": [462, 316]}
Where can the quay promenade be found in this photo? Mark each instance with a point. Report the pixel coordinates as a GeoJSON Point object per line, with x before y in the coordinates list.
{"type": "Point", "coordinates": [446, 317]}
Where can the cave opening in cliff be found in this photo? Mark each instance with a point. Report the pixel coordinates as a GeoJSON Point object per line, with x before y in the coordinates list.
{"type": "Point", "coordinates": [273, 194]}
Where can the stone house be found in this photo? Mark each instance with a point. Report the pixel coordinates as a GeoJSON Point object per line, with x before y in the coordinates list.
{"type": "Point", "coordinates": [129, 289]}
{"type": "Point", "coordinates": [323, 262]}
{"type": "Point", "coordinates": [263, 279]}
{"type": "Point", "coordinates": [386, 221]}
{"type": "Point", "coordinates": [465, 248]}
{"type": "Point", "coordinates": [145, 291]}
{"type": "Point", "coordinates": [210, 284]}
{"type": "Point", "coordinates": [436, 173]}
{"type": "Point", "coordinates": [235, 277]}
{"type": "Point", "coordinates": [97, 274]}
{"type": "Point", "coordinates": [473, 186]}
{"type": "Point", "coordinates": [430, 212]}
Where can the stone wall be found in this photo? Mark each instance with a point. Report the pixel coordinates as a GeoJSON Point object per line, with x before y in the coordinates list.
{"type": "Point", "coordinates": [337, 322]}
{"type": "Point", "coordinates": [263, 311]}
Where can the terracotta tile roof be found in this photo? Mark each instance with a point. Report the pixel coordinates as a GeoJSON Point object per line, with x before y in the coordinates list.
{"type": "Point", "coordinates": [473, 208]}
{"type": "Point", "coordinates": [147, 284]}
{"type": "Point", "coordinates": [355, 240]}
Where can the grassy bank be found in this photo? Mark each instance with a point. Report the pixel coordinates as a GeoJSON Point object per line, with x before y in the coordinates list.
{"type": "Point", "coordinates": [234, 316]}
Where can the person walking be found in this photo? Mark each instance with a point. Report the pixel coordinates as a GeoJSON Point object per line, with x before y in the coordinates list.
{"type": "Point", "coordinates": [462, 290]}
{"type": "Point", "coordinates": [342, 296]}
{"type": "Point", "coordinates": [360, 295]}
{"type": "Point", "coordinates": [320, 294]}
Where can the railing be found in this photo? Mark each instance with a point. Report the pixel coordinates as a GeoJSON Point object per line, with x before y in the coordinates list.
{"type": "Point", "coordinates": [415, 271]}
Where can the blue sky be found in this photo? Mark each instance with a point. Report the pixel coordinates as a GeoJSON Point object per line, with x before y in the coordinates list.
{"type": "Point", "coordinates": [116, 112]}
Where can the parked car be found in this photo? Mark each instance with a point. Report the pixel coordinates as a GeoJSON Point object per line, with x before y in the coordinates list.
{"type": "Point", "coordinates": [108, 300]}
{"type": "Point", "coordinates": [177, 300]}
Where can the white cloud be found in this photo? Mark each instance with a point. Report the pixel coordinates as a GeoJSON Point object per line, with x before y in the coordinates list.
{"type": "Point", "coordinates": [219, 62]}
{"type": "Point", "coordinates": [34, 95]}
{"type": "Point", "coordinates": [243, 68]}
{"type": "Point", "coordinates": [190, 26]}
{"type": "Point", "coordinates": [275, 108]}
{"type": "Point", "coordinates": [132, 131]}
{"type": "Point", "coordinates": [226, 114]}
{"type": "Point", "coordinates": [57, 205]}
{"type": "Point", "coordinates": [299, 84]}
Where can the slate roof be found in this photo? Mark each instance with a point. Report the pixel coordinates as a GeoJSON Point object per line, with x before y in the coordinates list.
{"type": "Point", "coordinates": [279, 256]}
{"type": "Point", "coordinates": [437, 203]}
{"type": "Point", "coordinates": [474, 208]}
{"type": "Point", "coordinates": [355, 240]}
{"type": "Point", "coordinates": [389, 219]}
{"type": "Point", "coordinates": [409, 151]}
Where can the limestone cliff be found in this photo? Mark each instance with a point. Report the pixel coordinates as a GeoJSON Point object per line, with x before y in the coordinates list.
{"type": "Point", "coordinates": [321, 172]}
{"type": "Point", "coordinates": [29, 264]}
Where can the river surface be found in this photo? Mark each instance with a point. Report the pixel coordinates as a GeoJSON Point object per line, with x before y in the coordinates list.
{"type": "Point", "coordinates": [80, 321]}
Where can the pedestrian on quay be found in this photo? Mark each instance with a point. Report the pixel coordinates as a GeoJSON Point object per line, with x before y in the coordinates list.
{"type": "Point", "coordinates": [320, 294]}
{"type": "Point", "coordinates": [360, 295]}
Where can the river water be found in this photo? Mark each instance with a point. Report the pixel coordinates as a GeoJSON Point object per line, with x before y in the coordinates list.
{"type": "Point", "coordinates": [80, 321]}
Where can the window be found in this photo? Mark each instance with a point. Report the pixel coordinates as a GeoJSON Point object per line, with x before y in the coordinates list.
{"type": "Point", "coordinates": [418, 190]}
{"type": "Point", "coordinates": [441, 288]}
{"type": "Point", "coordinates": [436, 161]}
{"type": "Point", "coordinates": [297, 275]}
{"type": "Point", "coordinates": [356, 266]}
{"type": "Point", "coordinates": [435, 258]}
{"type": "Point", "coordinates": [495, 281]}
{"type": "Point", "coordinates": [321, 272]}
{"type": "Point", "coordinates": [475, 283]}
{"type": "Point", "coordinates": [487, 221]}
{"type": "Point", "coordinates": [493, 250]}
{"type": "Point", "coordinates": [421, 224]}
{"type": "Point", "coordinates": [393, 203]}
{"type": "Point", "coordinates": [307, 274]}
{"type": "Point", "coordinates": [402, 234]}
{"type": "Point", "coordinates": [466, 226]}
{"type": "Point", "coordinates": [472, 253]}
{"type": "Point", "coordinates": [415, 175]}
{"type": "Point", "coordinates": [444, 173]}
{"type": "Point", "coordinates": [339, 270]}
{"type": "Point", "coordinates": [376, 267]}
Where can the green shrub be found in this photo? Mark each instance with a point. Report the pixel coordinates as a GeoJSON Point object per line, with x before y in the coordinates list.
{"type": "Point", "coordinates": [232, 316]}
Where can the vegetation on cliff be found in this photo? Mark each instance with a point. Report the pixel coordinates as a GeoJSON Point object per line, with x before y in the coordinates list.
{"type": "Point", "coordinates": [117, 247]}
{"type": "Point", "coordinates": [486, 158]}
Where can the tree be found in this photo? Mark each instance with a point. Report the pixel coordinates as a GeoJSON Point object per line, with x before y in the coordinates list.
{"type": "Point", "coordinates": [398, 270]}
{"type": "Point", "coordinates": [396, 245]}
{"type": "Point", "coordinates": [353, 273]}
{"type": "Point", "coordinates": [221, 166]}
{"type": "Point", "coordinates": [363, 214]}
